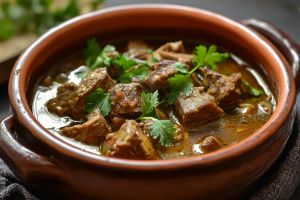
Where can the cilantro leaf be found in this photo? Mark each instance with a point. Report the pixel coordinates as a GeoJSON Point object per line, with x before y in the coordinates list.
{"type": "Point", "coordinates": [100, 100]}
{"type": "Point", "coordinates": [179, 83]}
{"type": "Point", "coordinates": [209, 57]}
{"type": "Point", "coordinates": [153, 59]}
{"type": "Point", "coordinates": [128, 71]}
{"type": "Point", "coordinates": [252, 90]}
{"type": "Point", "coordinates": [165, 129]}
{"type": "Point", "coordinates": [92, 51]}
{"type": "Point", "coordinates": [171, 97]}
{"type": "Point", "coordinates": [141, 73]}
{"type": "Point", "coordinates": [183, 82]}
{"type": "Point", "coordinates": [180, 67]}
{"type": "Point", "coordinates": [97, 58]}
{"type": "Point", "coordinates": [149, 103]}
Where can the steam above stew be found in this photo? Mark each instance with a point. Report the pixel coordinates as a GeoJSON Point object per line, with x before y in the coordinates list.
{"type": "Point", "coordinates": [147, 103]}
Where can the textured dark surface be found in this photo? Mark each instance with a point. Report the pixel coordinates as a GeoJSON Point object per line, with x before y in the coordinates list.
{"type": "Point", "coordinates": [281, 180]}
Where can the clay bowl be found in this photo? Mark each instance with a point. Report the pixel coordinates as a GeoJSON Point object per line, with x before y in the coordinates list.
{"type": "Point", "coordinates": [36, 156]}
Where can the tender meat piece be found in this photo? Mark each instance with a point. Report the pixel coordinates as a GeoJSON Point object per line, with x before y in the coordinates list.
{"type": "Point", "coordinates": [158, 78]}
{"type": "Point", "coordinates": [66, 98]}
{"type": "Point", "coordinates": [146, 88]}
{"type": "Point", "coordinates": [179, 133]}
{"type": "Point", "coordinates": [225, 89]}
{"type": "Point", "coordinates": [169, 47]}
{"type": "Point", "coordinates": [197, 108]}
{"type": "Point", "coordinates": [71, 99]}
{"type": "Point", "coordinates": [95, 79]}
{"type": "Point", "coordinates": [126, 101]}
{"type": "Point", "coordinates": [210, 144]}
{"type": "Point", "coordinates": [138, 49]}
{"type": "Point", "coordinates": [180, 57]}
{"type": "Point", "coordinates": [130, 142]}
{"type": "Point", "coordinates": [91, 132]}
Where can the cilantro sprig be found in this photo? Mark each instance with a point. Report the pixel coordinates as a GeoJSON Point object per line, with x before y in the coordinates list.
{"type": "Point", "coordinates": [252, 90]}
{"type": "Point", "coordinates": [163, 128]}
{"type": "Point", "coordinates": [99, 100]}
{"type": "Point", "coordinates": [182, 81]}
{"type": "Point", "coordinates": [152, 59]}
{"type": "Point", "coordinates": [209, 57]}
{"type": "Point", "coordinates": [128, 69]}
{"type": "Point", "coordinates": [97, 57]}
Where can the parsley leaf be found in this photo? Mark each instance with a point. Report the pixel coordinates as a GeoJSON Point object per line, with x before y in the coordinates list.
{"type": "Point", "coordinates": [165, 129]}
{"type": "Point", "coordinates": [183, 82]}
{"type": "Point", "coordinates": [149, 105]}
{"type": "Point", "coordinates": [210, 57]}
{"type": "Point", "coordinates": [128, 71]}
{"type": "Point", "coordinates": [179, 83]}
{"type": "Point", "coordinates": [180, 67]}
{"type": "Point", "coordinates": [97, 58]}
{"type": "Point", "coordinates": [92, 51]}
{"type": "Point", "coordinates": [142, 72]}
{"type": "Point", "coordinates": [153, 59]}
{"type": "Point", "coordinates": [100, 100]}
{"type": "Point", "coordinates": [252, 90]}
{"type": "Point", "coordinates": [171, 97]}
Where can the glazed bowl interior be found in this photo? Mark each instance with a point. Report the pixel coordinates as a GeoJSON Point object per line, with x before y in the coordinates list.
{"type": "Point", "coordinates": [156, 22]}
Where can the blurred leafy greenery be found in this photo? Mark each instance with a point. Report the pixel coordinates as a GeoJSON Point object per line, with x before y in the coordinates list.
{"type": "Point", "coordinates": [35, 15]}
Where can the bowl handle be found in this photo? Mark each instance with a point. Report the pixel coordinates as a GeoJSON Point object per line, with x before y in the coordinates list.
{"type": "Point", "coordinates": [26, 165]}
{"type": "Point", "coordinates": [285, 44]}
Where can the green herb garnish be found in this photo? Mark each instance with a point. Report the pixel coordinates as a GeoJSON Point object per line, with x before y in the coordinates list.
{"type": "Point", "coordinates": [99, 100]}
{"type": "Point", "coordinates": [210, 57]}
{"type": "Point", "coordinates": [96, 57]}
{"type": "Point", "coordinates": [128, 69]}
{"type": "Point", "coordinates": [153, 59]}
{"type": "Point", "coordinates": [182, 82]}
{"type": "Point", "coordinates": [163, 128]}
{"type": "Point", "coordinates": [252, 90]}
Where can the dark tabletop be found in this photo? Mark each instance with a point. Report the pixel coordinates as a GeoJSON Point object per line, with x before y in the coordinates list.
{"type": "Point", "coordinates": [283, 13]}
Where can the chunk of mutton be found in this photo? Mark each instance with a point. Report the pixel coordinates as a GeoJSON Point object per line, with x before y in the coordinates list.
{"type": "Point", "coordinates": [177, 47]}
{"type": "Point", "coordinates": [72, 99]}
{"type": "Point", "coordinates": [197, 108]}
{"type": "Point", "coordinates": [131, 142]}
{"type": "Point", "coordinates": [180, 57]}
{"type": "Point", "coordinates": [92, 132]}
{"type": "Point", "coordinates": [138, 49]}
{"type": "Point", "coordinates": [225, 89]}
{"type": "Point", "coordinates": [126, 102]}
{"type": "Point", "coordinates": [158, 78]}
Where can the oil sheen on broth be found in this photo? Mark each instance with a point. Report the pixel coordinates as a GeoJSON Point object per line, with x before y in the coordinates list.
{"type": "Point", "coordinates": [239, 122]}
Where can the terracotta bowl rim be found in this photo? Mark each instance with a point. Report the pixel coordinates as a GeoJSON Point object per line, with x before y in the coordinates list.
{"type": "Point", "coordinates": [24, 115]}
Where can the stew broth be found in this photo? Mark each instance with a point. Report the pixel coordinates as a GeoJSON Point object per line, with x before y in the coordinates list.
{"type": "Point", "coordinates": [250, 114]}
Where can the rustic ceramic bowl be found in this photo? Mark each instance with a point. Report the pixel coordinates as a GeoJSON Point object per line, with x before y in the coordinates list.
{"type": "Point", "coordinates": [36, 156]}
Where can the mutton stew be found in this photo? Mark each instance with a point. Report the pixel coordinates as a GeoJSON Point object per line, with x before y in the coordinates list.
{"type": "Point", "coordinates": [152, 103]}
